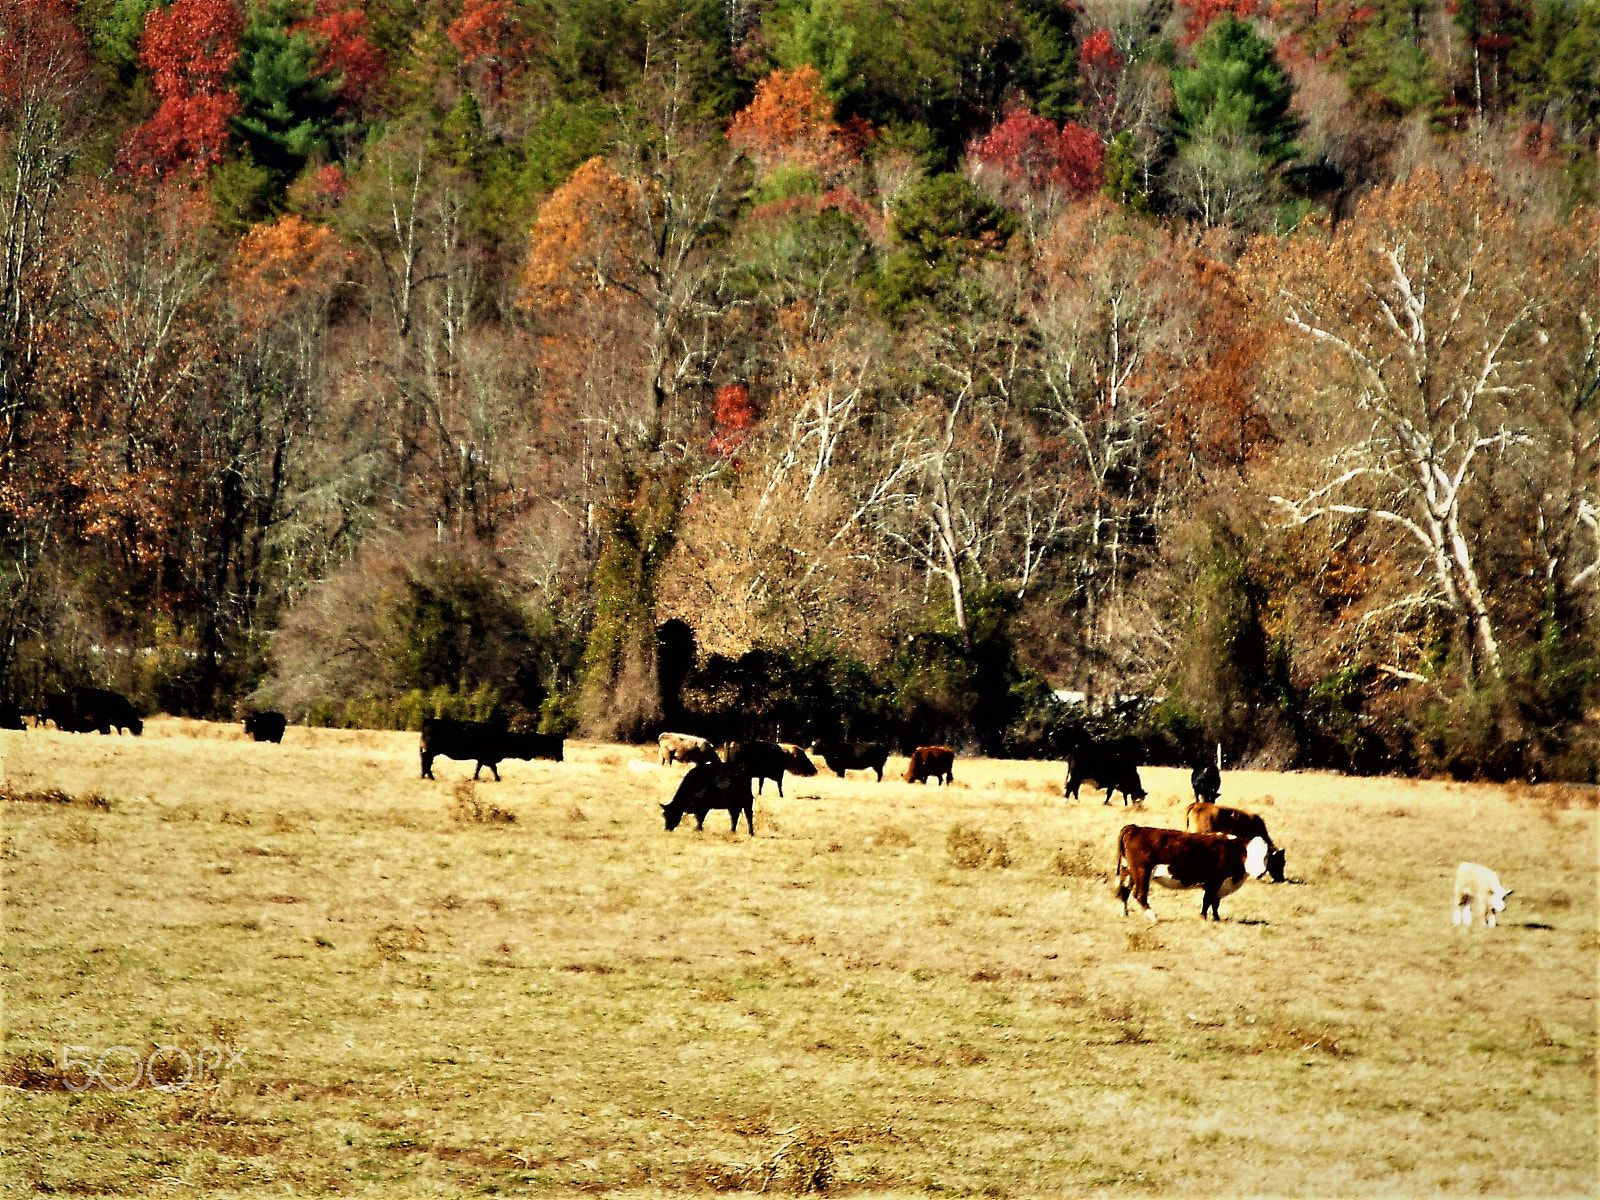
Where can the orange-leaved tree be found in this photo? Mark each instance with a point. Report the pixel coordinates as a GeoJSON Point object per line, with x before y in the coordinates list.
{"type": "Point", "coordinates": [790, 120]}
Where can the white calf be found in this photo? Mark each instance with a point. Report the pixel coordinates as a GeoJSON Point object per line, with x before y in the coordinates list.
{"type": "Point", "coordinates": [1478, 891]}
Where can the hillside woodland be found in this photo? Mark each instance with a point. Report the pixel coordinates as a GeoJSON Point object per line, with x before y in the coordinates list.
{"type": "Point", "coordinates": [813, 367]}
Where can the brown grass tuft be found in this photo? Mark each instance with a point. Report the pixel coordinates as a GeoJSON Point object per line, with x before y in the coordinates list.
{"type": "Point", "coordinates": [804, 1164]}
{"type": "Point", "coordinates": [1078, 862]}
{"type": "Point", "coordinates": [32, 1071]}
{"type": "Point", "coordinates": [54, 795]}
{"type": "Point", "coordinates": [467, 809]}
{"type": "Point", "coordinates": [892, 836]}
{"type": "Point", "coordinates": [970, 849]}
{"type": "Point", "coordinates": [393, 942]}
{"type": "Point", "coordinates": [1144, 940]}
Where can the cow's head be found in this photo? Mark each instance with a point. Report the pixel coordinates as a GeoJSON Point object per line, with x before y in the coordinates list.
{"type": "Point", "coordinates": [1497, 899]}
{"type": "Point", "coordinates": [1275, 864]}
{"type": "Point", "coordinates": [672, 815]}
{"type": "Point", "coordinates": [136, 727]}
{"type": "Point", "coordinates": [1255, 857]}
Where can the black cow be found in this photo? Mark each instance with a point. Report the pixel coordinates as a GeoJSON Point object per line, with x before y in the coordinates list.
{"type": "Point", "coordinates": [708, 786]}
{"type": "Point", "coordinates": [58, 709]}
{"type": "Point", "coordinates": [487, 745]}
{"type": "Point", "coordinates": [1214, 862]}
{"type": "Point", "coordinates": [1110, 765]}
{"type": "Point", "coordinates": [265, 726]}
{"type": "Point", "coordinates": [853, 756]}
{"type": "Point", "coordinates": [11, 717]}
{"type": "Point", "coordinates": [762, 761]}
{"type": "Point", "coordinates": [86, 709]}
{"type": "Point", "coordinates": [1206, 781]}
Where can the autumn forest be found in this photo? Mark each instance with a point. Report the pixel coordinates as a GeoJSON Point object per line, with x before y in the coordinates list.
{"type": "Point", "coordinates": [814, 366]}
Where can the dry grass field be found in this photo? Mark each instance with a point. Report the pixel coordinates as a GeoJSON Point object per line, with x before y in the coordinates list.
{"type": "Point", "coordinates": [890, 989]}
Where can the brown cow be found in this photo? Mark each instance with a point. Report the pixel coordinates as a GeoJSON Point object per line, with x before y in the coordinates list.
{"type": "Point", "coordinates": [932, 762]}
{"type": "Point", "coordinates": [1219, 818]}
{"type": "Point", "coordinates": [1173, 858]}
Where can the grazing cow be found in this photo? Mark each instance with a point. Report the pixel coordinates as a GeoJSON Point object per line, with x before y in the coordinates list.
{"type": "Point", "coordinates": [685, 747]}
{"type": "Point", "coordinates": [86, 709]}
{"type": "Point", "coordinates": [58, 708]}
{"type": "Point", "coordinates": [11, 717]}
{"type": "Point", "coordinates": [708, 786]}
{"type": "Point", "coordinates": [1202, 817]}
{"type": "Point", "coordinates": [1176, 859]}
{"type": "Point", "coordinates": [932, 762]}
{"type": "Point", "coordinates": [1206, 781]}
{"type": "Point", "coordinates": [762, 761]}
{"type": "Point", "coordinates": [1110, 765]}
{"type": "Point", "coordinates": [488, 745]}
{"type": "Point", "coordinates": [853, 756]}
{"type": "Point", "coordinates": [265, 726]}
{"type": "Point", "coordinates": [1478, 893]}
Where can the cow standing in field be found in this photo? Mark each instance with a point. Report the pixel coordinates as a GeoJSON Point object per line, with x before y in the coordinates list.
{"type": "Point", "coordinates": [487, 745]}
{"type": "Point", "coordinates": [86, 709]}
{"type": "Point", "coordinates": [1235, 822]}
{"type": "Point", "coordinates": [1214, 862]}
{"type": "Point", "coordinates": [708, 786]}
{"type": "Point", "coordinates": [762, 761]}
{"type": "Point", "coordinates": [1206, 781]}
{"type": "Point", "coordinates": [853, 756]}
{"type": "Point", "coordinates": [1478, 894]}
{"type": "Point", "coordinates": [265, 726]}
{"type": "Point", "coordinates": [686, 748]}
{"type": "Point", "coordinates": [932, 762]}
{"type": "Point", "coordinates": [1110, 765]}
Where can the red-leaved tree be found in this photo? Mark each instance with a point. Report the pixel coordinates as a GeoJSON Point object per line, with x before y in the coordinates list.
{"type": "Point", "coordinates": [189, 49]}
{"type": "Point", "coordinates": [491, 42]}
{"type": "Point", "coordinates": [735, 413]}
{"type": "Point", "coordinates": [345, 51]}
{"type": "Point", "coordinates": [1203, 12]}
{"type": "Point", "coordinates": [1037, 153]}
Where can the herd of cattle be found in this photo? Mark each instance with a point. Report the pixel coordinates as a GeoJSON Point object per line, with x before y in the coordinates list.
{"type": "Point", "coordinates": [1218, 849]}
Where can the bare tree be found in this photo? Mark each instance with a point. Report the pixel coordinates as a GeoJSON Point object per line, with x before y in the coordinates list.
{"type": "Point", "coordinates": [1420, 327]}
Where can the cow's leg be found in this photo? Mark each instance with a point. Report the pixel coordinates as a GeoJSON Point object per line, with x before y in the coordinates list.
{"type": "Point", "coordinates": [427, 765]}
{"type": "Point", "coordinates": [1210, 899]}
{"type": "Point", "coordinates": [749, 819]}
{"type": "Point", "coordinates": [1141, 893]}
{"type": "Point", "coordinates": [780, 785]}
{"type": "Point", "coordinates": [475, 771]}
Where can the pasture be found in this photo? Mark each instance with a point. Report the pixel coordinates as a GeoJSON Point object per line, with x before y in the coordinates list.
{"type": "Point", "coordinates": [890, 989]}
